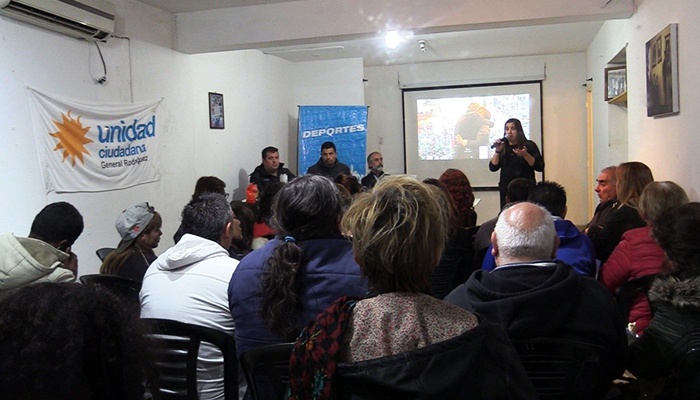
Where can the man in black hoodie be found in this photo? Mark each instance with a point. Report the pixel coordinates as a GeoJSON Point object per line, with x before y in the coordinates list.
{"type": "Point", "coordinates": [328, 165]}
{"type": "Point", "coordinates": [533, 296]}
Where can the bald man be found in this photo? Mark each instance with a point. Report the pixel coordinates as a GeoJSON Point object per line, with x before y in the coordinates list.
{"type": "Point", "coordinates": [533, 296]}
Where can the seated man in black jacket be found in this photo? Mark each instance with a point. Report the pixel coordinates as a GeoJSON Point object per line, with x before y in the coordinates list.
{"type": "Point", "coordinates": [271, 170]}
{"type": "Point", "coordinates": [533, 296]}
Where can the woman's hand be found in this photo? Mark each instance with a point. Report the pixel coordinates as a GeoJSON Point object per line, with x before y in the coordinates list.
{"type": "Point", "coordinates": [520, 152]}
{"type": "Point", "coordinates": [498, 145]}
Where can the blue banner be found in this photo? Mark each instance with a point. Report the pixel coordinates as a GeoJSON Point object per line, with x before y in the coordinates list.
{"type": "Point", "coordinates": [346, 126]}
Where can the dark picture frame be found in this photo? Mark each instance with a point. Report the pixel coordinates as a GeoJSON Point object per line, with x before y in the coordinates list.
{"type": "Point", "coordinates": [216, 110]}
{"type": "Point", "coordinates": [662, 73]}
{"type": "Point", "coordinates": [615, 81]}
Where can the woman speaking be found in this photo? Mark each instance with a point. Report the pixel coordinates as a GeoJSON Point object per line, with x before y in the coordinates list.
{"type": "Point", "coordinates": [515, 156]}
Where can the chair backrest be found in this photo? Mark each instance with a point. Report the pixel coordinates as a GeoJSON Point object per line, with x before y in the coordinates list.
{"type": "Point", "coordinates": [267, 370]}
{"type": "Point", "coordinates": [565, 369]}
{"type": "Point", "coordinates": [103, 252]}
{"type": "Point", "coordinates": [174, 351]}
{"type": "Point", "coordinates": [124, 287]}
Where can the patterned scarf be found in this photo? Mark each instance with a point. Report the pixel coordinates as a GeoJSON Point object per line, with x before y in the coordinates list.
{"type": "Point", "coordinates": [315, 354]}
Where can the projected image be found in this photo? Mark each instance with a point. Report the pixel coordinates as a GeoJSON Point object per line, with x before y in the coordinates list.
{"type": "Point", "coordinates": [454, 128]}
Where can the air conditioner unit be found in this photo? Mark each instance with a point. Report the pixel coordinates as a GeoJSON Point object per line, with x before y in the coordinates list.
{"type": "Point", "coordinates": [87, 19]}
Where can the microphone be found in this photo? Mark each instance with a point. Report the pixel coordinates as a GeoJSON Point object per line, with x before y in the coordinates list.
{"type": "Point", "coordinates": [496, 143]}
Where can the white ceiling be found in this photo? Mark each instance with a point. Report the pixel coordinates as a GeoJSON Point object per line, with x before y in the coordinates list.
{"type": "Point", "coordinates": [566, 26]}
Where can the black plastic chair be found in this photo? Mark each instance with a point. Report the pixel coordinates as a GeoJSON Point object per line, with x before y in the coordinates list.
{"type": "Point", "coordinates": [103, 252]}
{"type": "Point", "coordinates": [267, 370]}
{"type": "Point", "coordinates": [174, 351]}
{"type": "Point", "coordinates": [565, 369]}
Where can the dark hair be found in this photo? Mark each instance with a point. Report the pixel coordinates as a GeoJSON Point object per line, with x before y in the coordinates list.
{"type": "Point", "coordinates": [57, 222]}
{"type": "Point", "coordinates": [328, 145]}
{"type": "Point", "coordinates": [520, 138]}
{"type": "Point", "coordinates": [266, 200]}
{"type": "Point", "coordinates": [551, 196]}
{"type": "Point", "coordinates": [454, 221]}
{"type": "Point", "coordinates": [246, 216]}
{"type": "Point", "coordinates": [206, 216]}
{"type": "Point", "coordinates": [69, 341]}
{"type": "Point", "coordinates": [677, 233]}
{"type": "Point", "coordinates": [306, 208]}
{"type": "Point", "coordinates": [269, 149]}
{"type": "Point", "coordinates": [350, 183]}
{"type": "Point", "coordinates": [209, 184]}
{"type": "Point", "coordinates": [519, 189]}
{"type": "Point", "coordinates": [462, 193]}
{"type": "Point", "coordinates": [114, 261]}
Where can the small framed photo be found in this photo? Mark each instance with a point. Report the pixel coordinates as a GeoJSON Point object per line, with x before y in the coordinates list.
{"type": "Point", "coordinates": [216, 110]}
{"type": "Point", "coordinates": [662, 73]}
{"type": "Point", "coordinates": [615, 81]}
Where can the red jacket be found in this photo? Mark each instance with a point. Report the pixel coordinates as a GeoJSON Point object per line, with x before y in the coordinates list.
{"type": "Point", "coordinates": [635, 256]}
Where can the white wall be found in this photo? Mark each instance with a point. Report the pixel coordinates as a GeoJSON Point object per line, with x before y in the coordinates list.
{"type": "Point", "coordinates": [669, 144]}
{"type": "Point", "coordinates": [259, 99]}
{"type": "Point", "coordinates": [564, 123]}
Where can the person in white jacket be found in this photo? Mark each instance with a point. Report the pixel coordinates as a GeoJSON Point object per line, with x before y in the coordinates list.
{"type": "Point", "coordinates": [189, 281]}
{"type": "Point", "coordinates": [44, 256]}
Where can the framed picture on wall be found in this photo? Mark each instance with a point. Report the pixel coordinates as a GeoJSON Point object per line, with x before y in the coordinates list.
{"type": "Point", "coordinates": [216, 110]}
{"type": "Point", "coordinates": [615, 81]}
{"type": "Point", "coordinates": [662, 72]}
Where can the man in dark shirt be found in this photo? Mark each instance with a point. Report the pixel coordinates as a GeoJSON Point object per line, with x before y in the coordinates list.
{"type": "Point", "coordinates": [607, 193]}
{"type": "Point", "coordinates": [375, 162]}
{"type": "Point", "coordinates": [328, 164]}
{"type": "Point", "coordinates": [271, 170]}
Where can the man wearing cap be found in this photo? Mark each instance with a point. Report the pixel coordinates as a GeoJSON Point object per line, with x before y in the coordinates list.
{"type": "Point", "coordinates": [189, 281]}
{"type": "Point", "coordinates": [139, 228]}
{"type": "Point", "coordinates": [45, 256]}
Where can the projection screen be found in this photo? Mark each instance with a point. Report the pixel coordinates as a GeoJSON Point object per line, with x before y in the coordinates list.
{"type": "Point", "coordinates": [454, 127]}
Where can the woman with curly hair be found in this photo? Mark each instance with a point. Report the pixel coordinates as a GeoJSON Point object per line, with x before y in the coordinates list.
{"type": "Point", "coordinates": [277, 289]}
{"type": "Point", "coordinates": [463, 195]}
{"type": "Point", "coordinates": [66, 341]}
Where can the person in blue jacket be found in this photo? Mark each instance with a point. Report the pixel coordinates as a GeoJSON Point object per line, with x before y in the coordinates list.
{"type": "Point", "coordinates": [278, 289]}
{"type": "Point", "coordinates": [575, 248]}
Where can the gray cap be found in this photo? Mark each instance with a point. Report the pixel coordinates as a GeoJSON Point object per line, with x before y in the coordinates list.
{"type": "Point", "coordinates": [132, 222]}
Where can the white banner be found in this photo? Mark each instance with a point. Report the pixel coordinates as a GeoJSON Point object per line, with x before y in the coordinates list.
{"type": "Point", "coordinates": [92, 148]}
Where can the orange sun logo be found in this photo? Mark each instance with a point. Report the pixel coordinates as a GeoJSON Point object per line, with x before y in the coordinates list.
{"type": "Point", "coordinates": [71, 138]}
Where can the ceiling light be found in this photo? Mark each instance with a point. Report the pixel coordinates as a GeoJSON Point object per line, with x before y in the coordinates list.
{"type": "Point", "coordinates": [392, 39]}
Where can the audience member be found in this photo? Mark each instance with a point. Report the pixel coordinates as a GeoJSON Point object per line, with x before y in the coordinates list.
{"type": "Point", "coordinates": [398, 234]}
{"type": "Point", "coordinates": [631, 179]}
{"type": "Point", "coordinates": [349, 182]}
{"type": "Point", "coordinates": [66, 341]}
{"type": "Point", "coordinates": [262, 227]}
{"type": "Point", "coordinates": [189, 281]}
{"type": "Point", "coordinates": [518, 190]}
{"type": "Point", "coordinates": [575, 248]}
{"type": "Point", "coordinates": [205, 184]}
{"type": "Point", "coordinates": [607, 194]}
{"type": "Point", "coordinates": [240, 247]}
{"type": "Point", "coordinates": [638, 254]}
{"type": "Point", "coordinates": [278, 289]}
{"type": "Point", "coordinates": [533, 296]}
{"type": "Point", "coordinates": [270, 170]}
{"type": "Point", "coordinates": [674, 331]}
{"type": "Point", "coordinates": [45, 256]}
{"type": "Point", "coordinates": [328, 164]}
{"type": "Point", "coordinates": [375, 163]}
{"type": "Point", "coordinates": [462, 193]}
{"type": "Point", "coordinates": [139, 227]}
{"type": "Point", "coordinates": [457, 259]}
